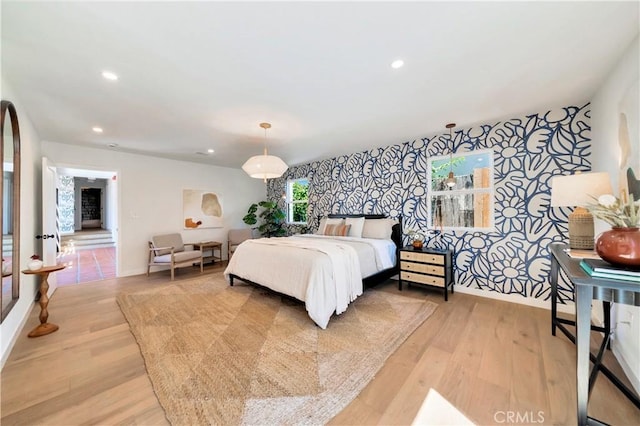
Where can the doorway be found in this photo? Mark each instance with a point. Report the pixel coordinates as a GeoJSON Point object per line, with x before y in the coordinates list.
{"type": "Point", "coordinates": [87, 224]}
{"type": "Point", "coordinates": [91, 208]}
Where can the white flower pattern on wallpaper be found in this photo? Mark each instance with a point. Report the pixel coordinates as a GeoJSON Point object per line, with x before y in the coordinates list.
{"type": "Point", "coordinates": [528, 152]}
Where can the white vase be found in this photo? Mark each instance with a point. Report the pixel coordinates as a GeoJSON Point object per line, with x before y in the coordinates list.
{"type": "Point", "coordinates": [34, 264]}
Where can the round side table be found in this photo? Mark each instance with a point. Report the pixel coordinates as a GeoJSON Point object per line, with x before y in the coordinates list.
{"type": "Point", "coordinates": [44, 327]}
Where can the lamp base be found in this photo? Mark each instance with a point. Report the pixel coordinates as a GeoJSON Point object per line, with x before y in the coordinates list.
{"type": "Point", "coordinates": [581, 230]}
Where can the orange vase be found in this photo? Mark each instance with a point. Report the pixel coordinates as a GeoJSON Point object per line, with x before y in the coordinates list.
{"type": "Point", "coordinates": [620, 246]}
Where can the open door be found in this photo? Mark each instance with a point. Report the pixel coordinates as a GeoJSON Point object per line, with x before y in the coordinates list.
{"type": "Point", "coordinates": [50, 236]}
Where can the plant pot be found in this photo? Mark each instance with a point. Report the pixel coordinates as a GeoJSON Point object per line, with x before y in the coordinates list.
{"type": "Point", "coordinates": [34, 264]}
{"type": "Point", "coordinates": [620, 246]}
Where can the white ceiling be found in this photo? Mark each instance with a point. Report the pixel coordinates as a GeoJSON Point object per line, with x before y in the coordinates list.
{"type": "Point", "coordinates": [198, 75]}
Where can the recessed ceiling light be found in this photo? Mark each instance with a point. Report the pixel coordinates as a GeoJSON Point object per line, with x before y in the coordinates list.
{"type": "Point", "coordinates": [210, 151]}
{"type": "Point", "coordinates": [398, 63]}
{"type": "Point", "coordinates": [110, 75]}
{"type": "Point", "coordinates": [97, 129]}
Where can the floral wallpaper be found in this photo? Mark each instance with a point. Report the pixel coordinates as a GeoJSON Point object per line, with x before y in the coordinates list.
{"type": "Point", "coordinates": [66, 207]}
{"type": "Point", "coordinates": [528, 152]}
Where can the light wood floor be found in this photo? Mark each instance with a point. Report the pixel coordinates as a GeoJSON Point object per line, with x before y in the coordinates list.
{"type": "Point", "coordinates": [486, 357]}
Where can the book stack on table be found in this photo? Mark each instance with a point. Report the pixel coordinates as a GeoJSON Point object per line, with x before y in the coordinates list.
{"type": "Point", "coordinates": [598, 268]}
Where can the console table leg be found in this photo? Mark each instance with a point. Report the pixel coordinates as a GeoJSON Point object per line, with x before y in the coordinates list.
{"type": "Point", "coordinates": [44, 327]}
{"type": "Point", "coordinates": [583, 329]}
{"type": "Point", "coordinates": [553, 278]}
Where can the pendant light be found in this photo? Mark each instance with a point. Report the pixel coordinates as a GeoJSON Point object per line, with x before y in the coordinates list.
{"type": "Point", "coordinates": [265, 166]}
{"type": "Point", "coordinates": [451, 180]}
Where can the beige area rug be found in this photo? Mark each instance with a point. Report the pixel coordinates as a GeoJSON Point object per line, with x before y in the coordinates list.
{"type": "Point", "coordinates": [244, 355]}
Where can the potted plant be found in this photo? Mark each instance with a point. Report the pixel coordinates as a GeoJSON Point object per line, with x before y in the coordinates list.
{"type": "Point", "coordinates": [272, 219]}
{"type": "Point", "coordinates": [416, 238]}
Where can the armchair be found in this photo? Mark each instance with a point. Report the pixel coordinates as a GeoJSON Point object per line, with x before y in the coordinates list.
{"type": "Point", "coordinates": [169, 250]}
{"type": "Point", "coordinates": [236, 236]}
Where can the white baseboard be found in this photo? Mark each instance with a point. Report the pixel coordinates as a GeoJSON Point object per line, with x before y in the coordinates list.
{"type": "Point", "coordinates": [15, 336]}
{"type": "Point", "coordinates": [516, 298]}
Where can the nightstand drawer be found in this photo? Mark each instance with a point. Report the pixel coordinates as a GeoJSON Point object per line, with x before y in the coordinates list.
{"type": "Point", "coordinates": [422, 267]}
{"type": "Point", "coordinates": [422, 257]}
{"type": "Point", "coordinates": [424, 279]}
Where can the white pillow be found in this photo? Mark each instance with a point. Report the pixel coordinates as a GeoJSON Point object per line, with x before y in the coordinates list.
{"type": "Point", "coordinates": [357, 224]}
{"type": "Point", "coordinates": [378, 228]}
{"type": "Point", "coordinates": [326, 221]}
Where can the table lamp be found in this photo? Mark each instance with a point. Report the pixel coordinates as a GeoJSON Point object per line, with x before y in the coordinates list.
{"type": "Point", "coordinates": [577, 191]}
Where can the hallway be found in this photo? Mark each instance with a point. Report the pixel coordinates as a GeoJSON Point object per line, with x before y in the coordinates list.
{"type": "Point", "coordinates": [86, 265]}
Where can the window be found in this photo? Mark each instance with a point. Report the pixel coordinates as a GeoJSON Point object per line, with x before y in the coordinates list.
{"type": "Point", "coordinates": [297, 200]}
{"type": "Point", "coordinates": [466, 201]}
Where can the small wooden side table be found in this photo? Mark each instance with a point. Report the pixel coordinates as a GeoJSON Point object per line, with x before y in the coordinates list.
{"type": "Point", "coordinates": [44, 327]}
{"type": "Point", "coordinates": [209, 245]}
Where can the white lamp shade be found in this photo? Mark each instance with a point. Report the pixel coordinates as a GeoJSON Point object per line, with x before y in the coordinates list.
{"type": "Point", "coordinates": [265, 166]}
{"type": "Point", "coordinates": [579, 189]}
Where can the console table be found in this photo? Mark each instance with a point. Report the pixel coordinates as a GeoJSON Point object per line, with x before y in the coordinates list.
{"type": "Point", "coordinates": [587, 289]}
{"type": "Point", "coordinates": [44, 327]}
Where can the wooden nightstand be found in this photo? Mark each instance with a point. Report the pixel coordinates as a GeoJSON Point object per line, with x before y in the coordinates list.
{"type": "Point", "coordinates": [427, 266]}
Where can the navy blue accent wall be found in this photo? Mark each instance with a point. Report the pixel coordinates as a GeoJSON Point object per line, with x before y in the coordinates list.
{"type": "Point", "coordinates": [528, 152]}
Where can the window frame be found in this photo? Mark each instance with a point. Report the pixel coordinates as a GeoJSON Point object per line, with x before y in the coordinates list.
{"type": "Point", "coordinates": [431, 194]}
{"type": "Point", "coordinates": [290, 202]}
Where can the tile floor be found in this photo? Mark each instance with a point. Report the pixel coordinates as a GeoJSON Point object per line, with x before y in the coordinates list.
{"type": "Point", "coordinates": [85, 265]}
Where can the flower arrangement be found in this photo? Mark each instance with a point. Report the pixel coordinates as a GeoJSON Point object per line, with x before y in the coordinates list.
{"type": "Point", "coordinates": [618, 212]}
{"type": "Point", "coordinates": [415, 235]}
{"type": "Point", "coordinates": [416, 238]}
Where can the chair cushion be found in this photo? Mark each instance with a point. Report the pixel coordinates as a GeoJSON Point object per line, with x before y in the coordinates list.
{"type": "Point", "coordinates": [182, 256]}
{"type": "Point", "coordinates": [168, 240]}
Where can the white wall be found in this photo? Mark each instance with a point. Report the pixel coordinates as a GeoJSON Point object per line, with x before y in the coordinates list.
{"type": "Point", "coordinates": [605, 108]}
{"type": "Point", "coordinates": [30, 222]}
{"type": "Point", "coordinates": [150, 196]}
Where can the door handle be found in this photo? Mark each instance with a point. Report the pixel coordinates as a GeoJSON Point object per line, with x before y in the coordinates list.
{"type": "Point", "coordinates": [44, 237]}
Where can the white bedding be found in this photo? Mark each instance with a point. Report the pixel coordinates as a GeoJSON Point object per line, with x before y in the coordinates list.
{"type": "Point", "coordinates": [324, 272]}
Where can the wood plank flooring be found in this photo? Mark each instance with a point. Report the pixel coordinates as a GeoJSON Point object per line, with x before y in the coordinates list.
{"type": "Point", "coordinates": [484, 356]}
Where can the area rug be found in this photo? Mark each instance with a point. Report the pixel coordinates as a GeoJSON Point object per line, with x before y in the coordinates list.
{"type": "Point", "coordinates": [225, 355]}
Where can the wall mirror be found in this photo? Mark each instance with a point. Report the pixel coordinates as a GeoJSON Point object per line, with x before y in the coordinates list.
{"type": "Point", "coordinates": [10, 206]}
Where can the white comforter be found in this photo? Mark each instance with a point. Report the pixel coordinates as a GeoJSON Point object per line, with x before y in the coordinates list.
{"type": "Point", "coordinates": [326, 273]}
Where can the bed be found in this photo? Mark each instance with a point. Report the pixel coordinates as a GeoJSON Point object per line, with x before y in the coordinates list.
{"type": "Point", "coordinates": [327, 270]}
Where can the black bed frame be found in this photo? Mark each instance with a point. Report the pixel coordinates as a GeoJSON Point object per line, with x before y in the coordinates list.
{"type": "Point", "coordinates": [373, 280]}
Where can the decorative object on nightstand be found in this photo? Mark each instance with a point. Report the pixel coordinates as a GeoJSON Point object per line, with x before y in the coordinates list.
{"type": "Point", "coordinates": [427, 266]}
{"type": "Point", "coordinates": [416, 238]}
{"type": "Point", "coordinates": [578, 191]}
